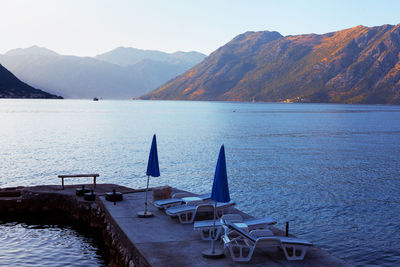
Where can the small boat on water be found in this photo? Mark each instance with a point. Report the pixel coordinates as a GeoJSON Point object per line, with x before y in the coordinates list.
{"type": "Point", "coordinates": [95, 99]}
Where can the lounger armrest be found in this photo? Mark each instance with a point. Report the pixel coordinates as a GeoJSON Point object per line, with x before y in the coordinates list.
{"type": "Point", "coordinates": [173, 211]}
{"type": "Point", "coordinates": [261, 233]}
{"type": "Point", "coordinates": [232, 217]}
{"type": "Point", "coordinates": [180, 195]}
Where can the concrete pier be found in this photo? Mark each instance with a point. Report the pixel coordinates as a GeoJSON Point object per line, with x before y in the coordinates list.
{"type": "Point", "coordinates": [133, 241]}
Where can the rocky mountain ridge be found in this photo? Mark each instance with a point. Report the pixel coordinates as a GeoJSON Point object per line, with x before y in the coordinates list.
{"type": "Point", "coordinates": [356, 65]}
{"type": "Point", "coordinates": [12, 87]}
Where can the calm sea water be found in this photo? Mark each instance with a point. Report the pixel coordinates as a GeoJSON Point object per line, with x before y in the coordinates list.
{"type": "Point", "coordinates": [332, 171]}
{"type": "Point", "coordinates": [46, 245]}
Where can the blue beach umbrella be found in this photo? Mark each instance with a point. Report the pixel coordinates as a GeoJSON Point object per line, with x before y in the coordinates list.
{"type": "Point", "coordinates": [152, 165]}
{"type": "Point", "coordinates": [219, 193]}
{"type": "Point", "coordinates": [152, 170]}
{"type": "Point", "coordinates": [220, 189]}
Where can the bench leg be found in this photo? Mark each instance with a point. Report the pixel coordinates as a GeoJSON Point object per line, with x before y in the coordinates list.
{"type": "Point", "coordinates": [62, 181]}
{"type": "Point", "coordinates": [94, 181]}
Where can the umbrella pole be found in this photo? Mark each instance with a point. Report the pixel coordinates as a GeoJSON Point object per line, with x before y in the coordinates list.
{"type": "Point", "coordinates": [145, 213]}
{"type": "Point", "coordinates": [147, 188]}
{"type": "Point", "coordinates": [213, 231]}
{"type": "Point", "coordinates": [212, 252]}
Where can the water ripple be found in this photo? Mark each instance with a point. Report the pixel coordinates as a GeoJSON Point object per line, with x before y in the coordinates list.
{"type": "Point", "coordinates": [46, 245]}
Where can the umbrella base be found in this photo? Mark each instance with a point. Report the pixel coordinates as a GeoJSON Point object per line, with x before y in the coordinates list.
{"type": "Point", "coordinates": [208, 253]}
{"type": "Point", "coordinates": [145, 214]}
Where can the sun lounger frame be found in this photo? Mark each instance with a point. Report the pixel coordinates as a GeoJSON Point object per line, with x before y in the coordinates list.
{"type": "Point", "coordinates": [177, 200]}
{"type": "Point", "coordinates": [242, 245]}
{"type": "Point", "coordinates": [207, 232]}
{"type": "Point", "coordinates": [187, 214]}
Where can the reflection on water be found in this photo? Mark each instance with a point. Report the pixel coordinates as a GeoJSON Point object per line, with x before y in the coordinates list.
{"type": "Point", "coordinates": [46, 245]}
{"type": "Point", "coordinates": [332, 171]}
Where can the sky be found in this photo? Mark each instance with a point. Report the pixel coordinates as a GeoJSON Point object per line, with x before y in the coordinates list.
{"type": "Point", "coordinates": [91, 27]}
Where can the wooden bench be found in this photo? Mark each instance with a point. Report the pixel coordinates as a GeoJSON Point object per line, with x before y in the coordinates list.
{"type": "Point", "coordinates": [79, 176]}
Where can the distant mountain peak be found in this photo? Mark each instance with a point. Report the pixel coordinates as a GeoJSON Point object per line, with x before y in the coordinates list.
{"type": "Point", "coordinates": [33, 50]}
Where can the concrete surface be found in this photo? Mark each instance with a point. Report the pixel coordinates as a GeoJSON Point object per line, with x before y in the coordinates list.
{"type": "Point", "coordinates": [163, 241]}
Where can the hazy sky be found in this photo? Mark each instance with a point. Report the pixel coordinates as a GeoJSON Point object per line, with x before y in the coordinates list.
{"type": "Point", "coordinates": [90, 27]}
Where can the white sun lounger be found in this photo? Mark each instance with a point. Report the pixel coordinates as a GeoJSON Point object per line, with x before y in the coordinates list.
{"type": "Point", "coordinates": [205, 228]}
{"type": "Point", "coordinates": [176, 201]}
{"type": "Point", "coordinates": [241, 245]}
{"type": "Point", "coordinates": [187, 214]}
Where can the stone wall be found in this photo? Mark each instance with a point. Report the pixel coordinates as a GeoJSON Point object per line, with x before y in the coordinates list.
{"type": "Point", "coordinates": [28, 203]}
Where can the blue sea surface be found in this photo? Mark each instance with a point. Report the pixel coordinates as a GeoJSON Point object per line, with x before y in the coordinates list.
{"type": "Point", "coordinates": [332, 171]}
{"type": "Point", "coordinates": [37, 245]}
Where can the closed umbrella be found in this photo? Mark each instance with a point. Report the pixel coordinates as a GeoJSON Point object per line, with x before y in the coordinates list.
{"type": "Point", "coordinates": [152, 170]}
{"type": "Point", "coordinates": [219, 193]}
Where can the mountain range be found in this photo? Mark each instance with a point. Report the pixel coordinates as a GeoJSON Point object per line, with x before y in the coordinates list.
{"type": "Point", "coordinates": [356, 65]}
{"type": "Point", "coordinates": [120, 73]}
{"type": "Point", "coordinates": [125, 56]}
{"type": "Point", "coordinates": [12, 87]}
